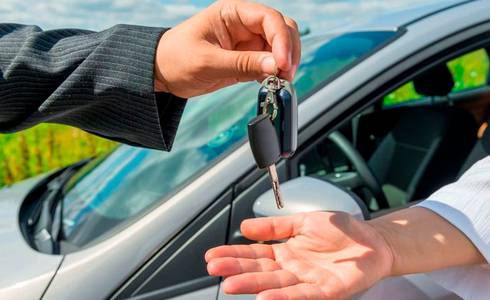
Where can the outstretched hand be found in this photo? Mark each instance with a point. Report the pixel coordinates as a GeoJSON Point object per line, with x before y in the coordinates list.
{"type": "Point", "coordinates": [326, 256]}
{"type": "Point", "coordinates": [229, 42]}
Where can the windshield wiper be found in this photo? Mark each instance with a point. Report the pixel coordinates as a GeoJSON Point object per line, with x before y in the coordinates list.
{"type": "Point", "coordinates": [46, 234]}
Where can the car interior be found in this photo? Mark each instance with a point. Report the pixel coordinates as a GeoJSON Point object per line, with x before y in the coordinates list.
{"type": "Point", "coordinates": [391, 155]}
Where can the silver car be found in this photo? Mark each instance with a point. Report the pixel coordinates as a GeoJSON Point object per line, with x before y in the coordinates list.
{"type": "Point", "coordinates": [390, 110]}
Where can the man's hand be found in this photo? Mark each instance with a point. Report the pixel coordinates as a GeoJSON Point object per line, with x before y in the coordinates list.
{"type": "Point", "coordinates": [334, 256]}
{"type": "Point", "coordinates": [231, 41]}
{"type": "Point", "coordinates": [326, 256]}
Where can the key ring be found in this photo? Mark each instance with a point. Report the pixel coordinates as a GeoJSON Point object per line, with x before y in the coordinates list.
{"type": "Point", "coordinates": [273, 84]}
{"type": "Point", "coordinates": [266, 106]}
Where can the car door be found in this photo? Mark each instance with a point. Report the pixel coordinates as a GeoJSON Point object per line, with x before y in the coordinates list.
{"type": "Point", "coordinates": [178, 269]}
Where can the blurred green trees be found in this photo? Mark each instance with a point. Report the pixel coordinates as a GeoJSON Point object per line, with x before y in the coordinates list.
{"type": "Point", "coordinates": [45, 147]}
{"type": "Point", "coordinates": [469, 71]}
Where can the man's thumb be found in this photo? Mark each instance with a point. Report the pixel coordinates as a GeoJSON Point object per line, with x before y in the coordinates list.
{"type": "Point", "coordinates": [247, 65]}
{"type": "Point", "coordinates": [268, 65]}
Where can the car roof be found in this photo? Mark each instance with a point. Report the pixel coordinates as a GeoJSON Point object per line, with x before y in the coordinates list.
{"type": "Point", "coordinates": [403, 17]}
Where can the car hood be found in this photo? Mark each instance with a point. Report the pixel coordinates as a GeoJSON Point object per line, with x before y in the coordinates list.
{"type": "Point", "coordinates": [24, 272]}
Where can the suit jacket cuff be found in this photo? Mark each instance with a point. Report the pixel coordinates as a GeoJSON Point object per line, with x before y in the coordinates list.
{"type": "Point", "coordinates": [123, 105]}
{"type": "Point", "coordinates": [155, 116]}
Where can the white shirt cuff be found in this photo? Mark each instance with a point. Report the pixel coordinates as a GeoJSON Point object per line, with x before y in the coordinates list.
{"type": "Point", "coordinates": [466, 205]}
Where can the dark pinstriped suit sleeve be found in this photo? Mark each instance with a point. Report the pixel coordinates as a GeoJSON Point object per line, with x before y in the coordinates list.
{"type": "Point", "coordinates": [101, 82]}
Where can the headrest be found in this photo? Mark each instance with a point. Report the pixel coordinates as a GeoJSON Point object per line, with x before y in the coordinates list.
{"type": "Point", "coordinates": [437, 81]}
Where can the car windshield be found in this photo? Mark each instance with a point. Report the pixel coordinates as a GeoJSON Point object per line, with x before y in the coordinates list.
{"type": "Point", "coordinates": [130, 180]}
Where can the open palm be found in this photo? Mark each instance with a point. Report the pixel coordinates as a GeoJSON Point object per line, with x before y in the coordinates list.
{"type": "Point", "coordinates": [326, 256]}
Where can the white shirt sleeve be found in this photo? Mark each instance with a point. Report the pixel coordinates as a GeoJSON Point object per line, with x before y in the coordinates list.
{"type": "Point", "coordinates": [466, 205]}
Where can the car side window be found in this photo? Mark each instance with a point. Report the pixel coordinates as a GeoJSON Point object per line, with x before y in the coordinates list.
{"type": "Point", "coordinates": [469, 71]}
{"type": "Point", "coordinates": [392, 157]}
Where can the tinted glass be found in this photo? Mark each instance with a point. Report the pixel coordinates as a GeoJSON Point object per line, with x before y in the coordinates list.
{"type": "Point", "coordinates": [469, 71]}
{"type": "Point", "coordinates": [131, 179]}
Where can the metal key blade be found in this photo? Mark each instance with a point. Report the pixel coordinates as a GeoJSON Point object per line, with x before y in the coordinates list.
{"type": "Point", "coordinates": [266, 150]}
{"type": "Point", "coordinates": [275, 185]}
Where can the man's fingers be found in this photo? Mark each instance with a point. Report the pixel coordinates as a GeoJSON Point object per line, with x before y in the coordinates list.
{"type": "Point", "coordinates": [240, 251]}
{"type": "Point", "coordinates": [253, 283]}
{"type": "Point", "coordinates": [272, 228]}
{"type": "Point", "coordinates": [295, 38]}
{"type": "Point", "coordinates": [296, 47]}
{"type": "Point", "coordinates": [229, 266]}
{"type": "Point", "coordinates": [253, 57]}
{"type": "Point", "coordinates": [270, 24]}
{"type": "Point", "coordinates": [301, 291]}
{"type": "Point", "coordinates": [289, 75]}
{"type": "Point", "coordinates": [243, 65]}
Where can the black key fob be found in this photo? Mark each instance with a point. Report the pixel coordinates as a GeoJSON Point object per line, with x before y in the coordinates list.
{"type": "Point", "coordinates": [263, 141]}
{"type": "Point", "coordinates": [286, 119]}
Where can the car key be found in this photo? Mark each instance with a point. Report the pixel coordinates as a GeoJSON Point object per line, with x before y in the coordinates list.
{"type": "Point", "coordinates": [266, 150]}
{"type": "Point", "coordinates": [278, 98]}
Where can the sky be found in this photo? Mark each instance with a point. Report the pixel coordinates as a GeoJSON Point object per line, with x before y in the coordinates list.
{"type": "Point", "coordinates": [101, 14]}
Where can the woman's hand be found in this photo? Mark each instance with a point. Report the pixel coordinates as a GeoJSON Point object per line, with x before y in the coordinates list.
{"type": "Point", "coordinates": [326, 256]}
{"type": "Point", "coordinates": [231, 41]}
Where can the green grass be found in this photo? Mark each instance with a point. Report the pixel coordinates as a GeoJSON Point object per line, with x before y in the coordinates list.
{"type": "Point", "coordinates": [45, 147]}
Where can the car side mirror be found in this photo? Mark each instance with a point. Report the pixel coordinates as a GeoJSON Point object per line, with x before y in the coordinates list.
{"type": "Point", "coordinates": [307, 194]}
